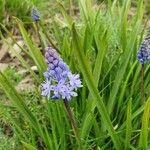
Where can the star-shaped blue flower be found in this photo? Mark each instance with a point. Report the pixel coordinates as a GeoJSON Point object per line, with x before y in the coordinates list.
{"type": "Point", "coordinates": [60, 82]}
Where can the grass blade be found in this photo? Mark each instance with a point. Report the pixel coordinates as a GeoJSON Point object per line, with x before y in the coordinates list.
{"type": "Point", "coordinates": [128, 126]}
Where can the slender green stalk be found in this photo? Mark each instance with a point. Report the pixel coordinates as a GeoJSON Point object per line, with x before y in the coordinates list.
{"type": "Point", "coordinates": [48, 37]}
{"type": "Point", "coordinates": [142, 83]}
{"type": "Point", "coordinates": [38, 33]}
{"type": "Point", "coordinates": [73, 122]}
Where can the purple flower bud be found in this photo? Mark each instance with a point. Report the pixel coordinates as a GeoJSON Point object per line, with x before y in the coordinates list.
{"type": "Point", "coordinates": [62, 65]}
{"type": "Point", "coordinates": [55, 62]}
{"type": "Point", "coordinates": [51, 66]}
{"type": "Point", "coordinates": [52, 73]}
{"type": "Point", "coordinates": [35, 14]}
{"type": "Point", "coordinates": [58, 70]}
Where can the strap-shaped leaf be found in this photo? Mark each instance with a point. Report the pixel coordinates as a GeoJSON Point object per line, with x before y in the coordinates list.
{"type": "Point", "coordinates": [87, 74]}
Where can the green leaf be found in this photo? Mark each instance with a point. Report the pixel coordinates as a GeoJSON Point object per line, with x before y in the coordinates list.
{"type": "Point", "coordinates": [35, 53]}
{"type": "Point", "coordinates": [122, 69]}
{"type": "Point", "coordinates": [18, 101]}
{"type": "Point", "coordinates": [87, 74]}
{"type": "Point", "coordinates": [128, 125]}
{"type": "Point", "coordinates": [145, 124]}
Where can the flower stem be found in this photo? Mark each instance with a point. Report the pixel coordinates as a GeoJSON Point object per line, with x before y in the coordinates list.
{"type": "Point", "coordinates": [48, 37]}
{"type": "Point", "coordinates": [73, 122]}
{"type": "Point", "coordinates": [39, 36]}
{"type": "Point", "coordinates": [142, 84]}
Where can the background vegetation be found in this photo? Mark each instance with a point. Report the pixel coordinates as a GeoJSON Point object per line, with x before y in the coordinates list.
{"type": "Point", "coordinates": [97, 39]}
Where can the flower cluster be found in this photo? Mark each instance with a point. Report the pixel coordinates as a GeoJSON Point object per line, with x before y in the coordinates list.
{"type": "Point", "coordinates": [59, 82]}
{"type": "Point", "coordinates": [144, 51]}
{"type": "Point", "coordinates": [35, 14]}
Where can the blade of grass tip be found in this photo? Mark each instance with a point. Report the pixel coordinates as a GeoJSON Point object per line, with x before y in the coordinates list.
{"type": "Point", "coordinates": [128, 125]}
{"type": "Point", "coordinates": [87, 74]}
{"type": "Point", "coordinates": [114, 5]}
{"type": "Point", "coordinates": [145, 124]}
{"type": "Point", "coordinates": [102, 49]}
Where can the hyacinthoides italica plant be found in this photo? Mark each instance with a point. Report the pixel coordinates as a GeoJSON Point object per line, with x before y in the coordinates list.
{"type": "Point", "coordinates": [143, 57]}
{"type": "Point", "coordinates": [60, 83]}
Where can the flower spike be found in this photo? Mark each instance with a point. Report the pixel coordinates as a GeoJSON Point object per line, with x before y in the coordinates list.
{"type": "Point", "coordinates": [144, 51]}
{"type": "Point", "coordinates": [59, 83]}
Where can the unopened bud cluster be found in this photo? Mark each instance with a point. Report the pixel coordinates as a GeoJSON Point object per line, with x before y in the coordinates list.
{"type": "Point", "coordinates": [144, 51]}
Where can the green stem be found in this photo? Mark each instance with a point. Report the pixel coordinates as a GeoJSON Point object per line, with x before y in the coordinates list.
{"type": "Point", "coordinates": [37, 30]}
{"type": "Point", "coordinates": [142, 84]}
{"type": "Point", "coordinates": [73, 122]}
{"type": "Point", "coordinates": [48, 37]}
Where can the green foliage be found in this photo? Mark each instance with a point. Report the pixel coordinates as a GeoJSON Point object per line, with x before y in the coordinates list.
{"type": "Point", "coordinates": [12, 75]}
{"type": "Point", "coordinates": [6, 143]}
{"type": "Point", "coordinates": [101, 44]}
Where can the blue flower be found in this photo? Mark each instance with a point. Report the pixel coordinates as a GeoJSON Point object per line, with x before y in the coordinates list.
{"type": "Point", "coordinates": [62, 84]}
{"type": "Point", "coordinates": [75, 81]}
{"type": "Point", "coordinates": [47, 88]}
{"type": "Point", "coordinates": [144, 51]}
{"type": "Point", "coordinates": [35, 14]}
